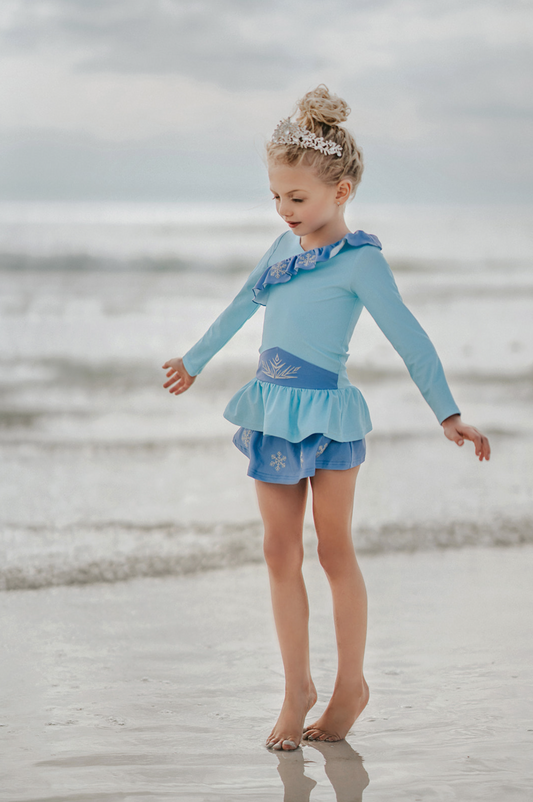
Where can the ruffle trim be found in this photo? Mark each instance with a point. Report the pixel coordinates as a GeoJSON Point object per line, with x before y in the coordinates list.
{"type": "Point", "coordinates": [294, 413]}
{"type": "Point", "coordinates": [283, 271]}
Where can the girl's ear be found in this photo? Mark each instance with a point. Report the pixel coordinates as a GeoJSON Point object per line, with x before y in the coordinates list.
{"type": "Point", "coordinates": [344, 189]}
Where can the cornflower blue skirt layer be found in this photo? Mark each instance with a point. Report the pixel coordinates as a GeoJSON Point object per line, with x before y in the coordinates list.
{"type": "Point", "coordinates": [274, 459]}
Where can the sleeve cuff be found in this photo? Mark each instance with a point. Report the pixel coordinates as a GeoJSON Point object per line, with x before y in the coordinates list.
{"type": "Point", "coordinates": [188, 367]}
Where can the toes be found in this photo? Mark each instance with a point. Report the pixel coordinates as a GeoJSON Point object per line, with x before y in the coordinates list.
{"type": "Point", "coordinates": [318, 735]}
{"type": "Point", "coordinates": [285, 744]}
{"type": "Point", "coordinates": [288, 745]}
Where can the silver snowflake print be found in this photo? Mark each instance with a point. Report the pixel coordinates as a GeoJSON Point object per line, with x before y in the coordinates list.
{"type": "Point", "coordinates": [275, 369]}
{"type": "Point", "coordinates": [246, 437]}
{"type": "Point", "coordinates": [280, 269]}
{"type": "Point", "coordinates": [278, 461]}
{"type": "Point", "coordinates": [306, 259]}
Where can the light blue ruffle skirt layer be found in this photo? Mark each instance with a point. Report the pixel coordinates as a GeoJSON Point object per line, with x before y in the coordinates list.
{"type": "Point", "coordinates": [278, 461]}
{"type": "Point", "coordinates": [294, 413]}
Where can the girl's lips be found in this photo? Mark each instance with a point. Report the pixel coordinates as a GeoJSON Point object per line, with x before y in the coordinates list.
{"type": "Point", "coordinates": [292, 225]}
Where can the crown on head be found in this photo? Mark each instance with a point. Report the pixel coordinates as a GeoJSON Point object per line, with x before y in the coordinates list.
{"type": "Point", "coordinates": [289, 133]}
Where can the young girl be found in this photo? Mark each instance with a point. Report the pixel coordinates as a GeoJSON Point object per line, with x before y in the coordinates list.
{"type": "Point", "coordinates": [300, 419]}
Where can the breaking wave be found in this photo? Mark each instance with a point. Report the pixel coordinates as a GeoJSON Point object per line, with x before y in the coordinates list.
{"type": "Point", "coordinates": [112, 552]}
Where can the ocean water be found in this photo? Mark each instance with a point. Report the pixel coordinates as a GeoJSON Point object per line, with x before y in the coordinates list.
{"type": "Point", "coordinates": [104, 475]}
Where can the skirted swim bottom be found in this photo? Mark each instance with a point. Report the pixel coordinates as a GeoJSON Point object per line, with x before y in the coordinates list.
{"type": "Point", "coordinates": [274, 459]}
{"type": "Point", "coordinates": [283, 377]}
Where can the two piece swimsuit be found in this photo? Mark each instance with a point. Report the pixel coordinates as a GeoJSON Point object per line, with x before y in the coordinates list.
{"type": "Point", "coordinates": [299, 415]}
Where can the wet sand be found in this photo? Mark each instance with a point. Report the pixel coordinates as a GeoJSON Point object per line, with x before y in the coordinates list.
{"type": "Point", "coordinates": [164, 689]}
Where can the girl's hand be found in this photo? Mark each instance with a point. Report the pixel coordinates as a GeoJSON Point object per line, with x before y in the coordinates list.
{"type": "Point", "coordinates": [456, 430]}
{"type": "Point", "coordinates": [179, 380]}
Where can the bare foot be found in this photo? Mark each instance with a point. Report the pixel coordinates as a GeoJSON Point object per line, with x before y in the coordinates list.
{"type": "Point", "coordinates": [287, 732]}
{"type": "Point", "coordinates": [344, 707]}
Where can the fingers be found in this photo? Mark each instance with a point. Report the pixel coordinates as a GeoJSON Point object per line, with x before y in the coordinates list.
{"type": "Point", "coordinates": [179, 389]}
{"type": "Point", "coordinates": [459, 432]}
{"type": "Point", "coordinates": [179, 379]}
{"type": "Point", "coordinates": [477, 439]}
{"type": "Point", "coordinates": [177, 385]}
{"type": "Point", "coordinates": [175, 377]}
{"type": "Point", "coordinates": [481, 443]}
{"type": "Point", "coordinates": [484, 450]}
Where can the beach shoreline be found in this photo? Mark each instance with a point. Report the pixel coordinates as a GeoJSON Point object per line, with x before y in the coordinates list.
{"type": "Point", "coordinates": [165, 688]}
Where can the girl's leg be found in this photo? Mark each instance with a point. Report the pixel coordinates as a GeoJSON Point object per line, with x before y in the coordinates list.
{"type": "Point", "coordinates": [333, 493]}
{"type": "Point", "coordinates": [282, 509]}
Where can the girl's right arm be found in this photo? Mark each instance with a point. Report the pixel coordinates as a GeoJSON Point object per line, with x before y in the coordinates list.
{"type": "Point", "coordinates": [181, 373]}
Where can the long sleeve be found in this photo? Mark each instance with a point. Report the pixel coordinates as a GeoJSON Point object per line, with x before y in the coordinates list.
{"type": "Point", "coordinates": [374, 284]}
{"type": "Point", "coordinates": [228, 322]}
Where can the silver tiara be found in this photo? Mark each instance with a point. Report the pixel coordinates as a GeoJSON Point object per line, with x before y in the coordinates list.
{"type": "Point", "coordinates": [289, 133]}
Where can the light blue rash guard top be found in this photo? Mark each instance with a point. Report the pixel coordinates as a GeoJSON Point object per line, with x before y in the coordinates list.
{"type": "Point", "coordinates": [313, 316]}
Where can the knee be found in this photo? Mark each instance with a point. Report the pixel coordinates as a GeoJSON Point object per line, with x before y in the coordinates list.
{"type": "Point", "coordinates": [283, 553]}
{"type": "Point", "coordinates": [336, 555]}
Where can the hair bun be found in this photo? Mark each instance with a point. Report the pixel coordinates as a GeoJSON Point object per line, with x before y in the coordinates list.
{"type": "Point", "coordinates": [320, 107]}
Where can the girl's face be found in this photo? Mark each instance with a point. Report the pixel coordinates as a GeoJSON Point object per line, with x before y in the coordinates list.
{"type": "Point", "coordinates": [312, 209]}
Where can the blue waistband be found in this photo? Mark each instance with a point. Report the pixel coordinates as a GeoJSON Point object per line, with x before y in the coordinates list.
{"type": "Point", "coordinates": [279, 367]}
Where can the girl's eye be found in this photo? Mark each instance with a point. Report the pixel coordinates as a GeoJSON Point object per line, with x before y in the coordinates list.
{"type": "Point", "coordinates": [298, 200]}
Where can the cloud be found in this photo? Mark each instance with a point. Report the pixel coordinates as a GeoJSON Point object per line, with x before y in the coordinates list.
{"type": "Point", "coordinates": [442, 84]}
{"type": "Point", "coordinates": [233, 44]}
{"type": "Point", "coordinates": [271, 45]}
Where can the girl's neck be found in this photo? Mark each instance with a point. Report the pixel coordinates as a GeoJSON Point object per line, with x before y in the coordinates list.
{"type": "Point", "coordinates": [323, 237]}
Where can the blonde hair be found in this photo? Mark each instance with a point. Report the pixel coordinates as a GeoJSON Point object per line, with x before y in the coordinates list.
{"type": "Point", "coordinates": [322, 113]}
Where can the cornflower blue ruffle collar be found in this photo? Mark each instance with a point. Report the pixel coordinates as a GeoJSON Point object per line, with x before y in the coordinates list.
{"type": "Point", "coordinates": [283, 271]}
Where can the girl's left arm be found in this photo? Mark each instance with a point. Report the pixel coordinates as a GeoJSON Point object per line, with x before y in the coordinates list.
{"type": "Point", "coordinates": [374, 283]}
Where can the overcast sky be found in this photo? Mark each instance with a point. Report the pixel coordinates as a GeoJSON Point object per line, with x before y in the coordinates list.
{"type": "Point", "coordinates": [171, 100]}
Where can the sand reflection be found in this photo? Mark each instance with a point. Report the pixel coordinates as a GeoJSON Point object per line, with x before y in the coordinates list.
{"type": "Point", "coordinates": [343, 766]}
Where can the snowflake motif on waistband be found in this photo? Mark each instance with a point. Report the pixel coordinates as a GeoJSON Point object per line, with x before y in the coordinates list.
{"type": "Point", "coordinates": [278, 461]}
{"type": "Point", "coordinates": [246, 436]}
{"type": "Point", "coordinates": [274, 369]}
{"type": "Point", "coordinates": [320, 450]}
{"type": "Point", "coordinates": [280, 269]}
{"type": "Point", "coordinates": [306, 259]}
